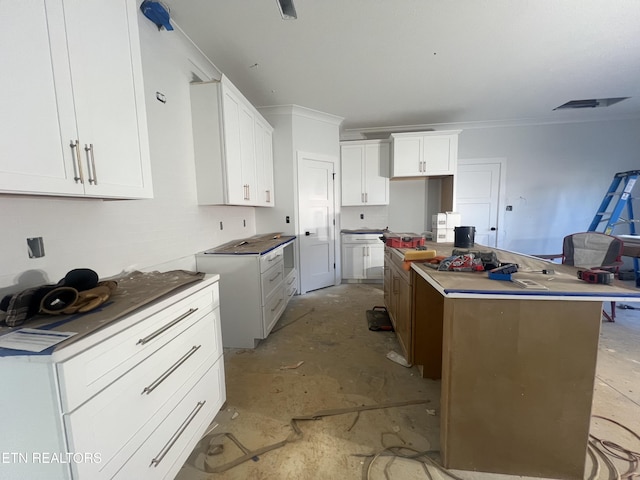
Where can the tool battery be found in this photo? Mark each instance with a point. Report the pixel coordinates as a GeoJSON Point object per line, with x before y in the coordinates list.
{"type": "Point", "coordinates": [596, 276]}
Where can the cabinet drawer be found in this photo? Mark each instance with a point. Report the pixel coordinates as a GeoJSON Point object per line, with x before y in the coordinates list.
{"type": "Point", "coordinates": [272, 310]}
{"type": "Point", "coordinates": [89, 372]}
{"type": "Point", "coordinates": [269, 259]}
{"type": "Point", "coordinates": [166, 448]}
{"type": "Point", "coordinates": [110, 422]}
{"type": "Point", "coordinates": [271, 279]}
{"type": "Point", "coordinates": [365, 238]}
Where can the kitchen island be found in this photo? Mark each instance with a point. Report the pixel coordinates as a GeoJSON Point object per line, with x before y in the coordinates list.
{"type": "Point", "coordinates": [517, 366]}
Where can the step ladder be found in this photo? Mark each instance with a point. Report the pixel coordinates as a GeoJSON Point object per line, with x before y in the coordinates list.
{"type": "Point", "coordinates": [610, 212]}
{"type": "Point", "coordinates": [606, 219]}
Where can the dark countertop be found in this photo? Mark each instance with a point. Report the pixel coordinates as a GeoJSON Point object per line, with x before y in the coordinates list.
{"type": "Point", "coordinates": [256, 245]}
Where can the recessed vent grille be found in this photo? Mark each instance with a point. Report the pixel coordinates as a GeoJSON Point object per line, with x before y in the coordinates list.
{"type": "Point", "coordinates": [287, 9]}
{"type": "Point", "coordinates": [590, 103]}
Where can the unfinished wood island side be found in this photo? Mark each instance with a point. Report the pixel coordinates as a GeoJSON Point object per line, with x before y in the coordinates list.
{"type": "Point", "coordinates": [517, 366]}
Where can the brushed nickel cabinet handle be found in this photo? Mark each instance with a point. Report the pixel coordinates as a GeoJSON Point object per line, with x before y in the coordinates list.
{"type": "Point", "coordinates": [275, 257]}
{"type": "Point", "coordinates": [275, 276]}
{"type": "Point", "coordinates": [91, 164]}
{"type": "Point", "coordinates": [268, 196]}
{"type": "Point", "coordinates": [158, 458]}
{"type": "Point", "coordinates": [153, 385]}
{"type": "Point", "coordinates": [291, 280]}
{"type": "Point", "coordinates": [77, 161]}
{"type": "Point", "coordinates": [276, 306]}
{"type": "Point", "coordinates": [153, 335]}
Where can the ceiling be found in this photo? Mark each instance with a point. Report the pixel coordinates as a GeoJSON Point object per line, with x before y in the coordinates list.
{"type": "Point", "coordinates": [397, 64]}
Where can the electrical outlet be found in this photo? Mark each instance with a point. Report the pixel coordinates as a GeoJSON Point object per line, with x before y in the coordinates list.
{"type": "Point", "coordinates": [362, 216]}
{"type": "Point", "coordinates": [509, 208]}
{"type": "Point", "coordinates": [287, 220]}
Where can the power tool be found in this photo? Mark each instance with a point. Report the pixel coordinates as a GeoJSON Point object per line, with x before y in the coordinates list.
{"type": "Point", "coordinates": [596, 276]}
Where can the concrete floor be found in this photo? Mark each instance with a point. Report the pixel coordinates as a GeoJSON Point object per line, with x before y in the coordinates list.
{"type": "Point", "coordinates": [345, 365]}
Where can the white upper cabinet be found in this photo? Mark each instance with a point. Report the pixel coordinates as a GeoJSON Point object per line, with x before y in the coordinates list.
{"type": "Point", "coordinates": [424, 154]}
{"type": "Point", "coordinates": [364, 172]}
{"type": "Point", "coordinates": [233, 147]}
{"type": "Point", "coordinates": [73, 116]}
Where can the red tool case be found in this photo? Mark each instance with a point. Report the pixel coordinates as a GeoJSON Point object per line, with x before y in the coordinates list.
{"type": "Point", "coordinates": [403, 241]}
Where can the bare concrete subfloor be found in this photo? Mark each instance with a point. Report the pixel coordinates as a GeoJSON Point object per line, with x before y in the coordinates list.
{"type": "Point", "coordinates": [345, 365]}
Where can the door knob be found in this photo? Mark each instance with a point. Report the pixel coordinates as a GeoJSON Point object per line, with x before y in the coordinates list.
{"type": "Point", "coordinates": [493, 229]}
{"type": "Point", "coordinates": [307, 233]}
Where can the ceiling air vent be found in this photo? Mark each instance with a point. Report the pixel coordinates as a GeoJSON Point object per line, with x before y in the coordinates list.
{"type": "Point", "coordinates": [287, 9]}
{"type": "Point", "coordinates": [590, 103]}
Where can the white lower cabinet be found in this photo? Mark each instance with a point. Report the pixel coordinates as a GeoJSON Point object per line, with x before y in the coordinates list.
{"type": "Point", "coordinates": [129, 401]}
{"type": "Point", "coordinates": [362, 257]}
{"type": "Point", "coordinates": [256, 289]}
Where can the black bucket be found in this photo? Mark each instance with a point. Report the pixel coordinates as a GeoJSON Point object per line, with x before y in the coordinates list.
{"type": "Point", "coordinates": [464, 237]}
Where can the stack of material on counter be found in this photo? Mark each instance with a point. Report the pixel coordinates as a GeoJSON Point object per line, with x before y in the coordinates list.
{"type": "Point", "coordinates": [442, 225]}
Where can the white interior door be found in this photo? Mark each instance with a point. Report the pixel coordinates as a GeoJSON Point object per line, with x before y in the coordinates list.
{"type": "Point", "coordinates": [478, 191]}
{"type": "Point", "coordinates": [316, 230]}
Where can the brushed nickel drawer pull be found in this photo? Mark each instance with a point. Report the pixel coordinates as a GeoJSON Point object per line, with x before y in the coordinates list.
{"type": "Point", "coordinates": [277, 305]}
{"type": "Point", "coordinates": [77, 161]}
{"type": "Point", "coordinates": [291, 280]}
{"type": "Point", "coordinates": [171, 369]}
{"type": "Point", "coordinates": [153, 335]}
{"type": "Point", "coordinates": [158, 458]}
{"type": "Point", "coordinates": [275, 276]}
{"type": "Point", "coordinates": [91, 164]}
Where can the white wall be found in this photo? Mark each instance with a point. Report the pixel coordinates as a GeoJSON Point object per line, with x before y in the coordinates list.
{"type": "Point", "coordinates": [557, 175]}
{"type": "Point", "coordinates": [296, 129]}
{"type": "Point", "coordinates": [374, 217]}
{"type": "Point", "coordinates": [109, 236]}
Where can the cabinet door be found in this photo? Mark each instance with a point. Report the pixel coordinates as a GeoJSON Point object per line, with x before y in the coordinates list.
{"type": "Point", "coordinates": [37, 117]}
{"type": "Point", "coordinates": [264, 165]}
{"type": "Point", "coordinates": [403, 316]}
{"type": "Point", "coordinates": [439, 158]}
{"type": "Point", "coordinates": [375, 261]}
{"type": "Point", "coordinates": [376, 186]}
{"type": "Point", "coordinates": [106, 71]}
{"type": "Point", "coordinates": [353, 261]}
{"type": "Point", "coordinates": [352, 161]}
{"type": "Point", "coordinates": [386, 286]}
{"type": "Point", "coordinates": [236, 191]}
{"type": "Point", "coordinates": [248, 155]}
{"type": "Point", "coordinates": [407, 157]}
